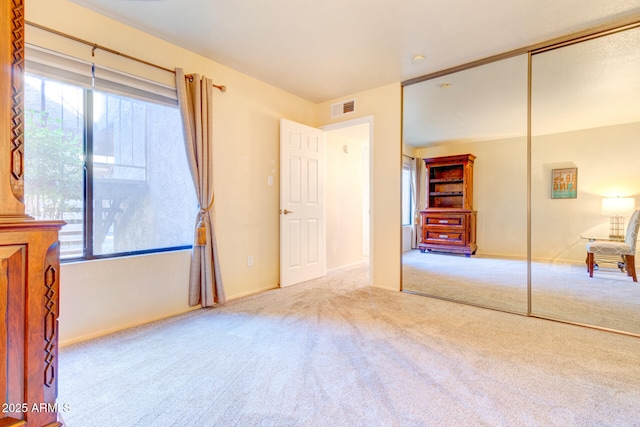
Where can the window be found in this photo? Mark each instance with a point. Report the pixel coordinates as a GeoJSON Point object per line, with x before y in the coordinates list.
{"type": "Point", "coordinates": [54, 149]}
{"type": "Point", "coordinates": [112, 166]}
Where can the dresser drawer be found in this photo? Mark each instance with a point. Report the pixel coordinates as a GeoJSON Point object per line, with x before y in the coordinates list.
{"type": "Point", "coordinates": [448, 230]}
{"type": "Point", "coordinates": [451, 237]}
{"type": "Point", "coordinates": [443, 220]}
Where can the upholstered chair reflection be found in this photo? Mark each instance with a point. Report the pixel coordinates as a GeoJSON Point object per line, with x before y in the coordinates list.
{"type": "Point", "coordinates": [626, 249]}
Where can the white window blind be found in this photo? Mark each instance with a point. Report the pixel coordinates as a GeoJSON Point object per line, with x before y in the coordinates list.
{"type": "Point", "coordinates": [53, 65]}
{"type": "Point", "coordinates": [119, 83]}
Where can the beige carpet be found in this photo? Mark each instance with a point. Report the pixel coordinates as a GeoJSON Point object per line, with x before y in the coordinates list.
{"type": "Point", "coordinates": [560, 291]}
{"type": "Point", "coordinates": [334, 352]}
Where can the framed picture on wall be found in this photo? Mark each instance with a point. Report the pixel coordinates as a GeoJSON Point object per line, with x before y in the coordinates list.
{"type": "Point", "coordinates": [564, 183]}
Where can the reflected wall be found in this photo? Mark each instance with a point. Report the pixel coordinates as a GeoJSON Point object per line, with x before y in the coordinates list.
{"type": "Point", "coordinates": [585, 116]}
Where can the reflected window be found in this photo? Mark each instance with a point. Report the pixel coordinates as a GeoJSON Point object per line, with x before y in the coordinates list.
{"type": "Point", "coordinates": [407, 206]}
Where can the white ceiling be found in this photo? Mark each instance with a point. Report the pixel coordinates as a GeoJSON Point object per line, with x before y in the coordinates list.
{"type": "Point", "coordinates": [481, 103]}
{"type": "Point", "coordinates": [322, 50]}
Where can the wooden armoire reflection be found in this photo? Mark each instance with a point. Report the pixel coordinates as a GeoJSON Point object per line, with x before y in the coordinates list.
{"type": "Point", "coordinates": [448, 220]}
{"type": "Point", "coordinates": [29, 257]}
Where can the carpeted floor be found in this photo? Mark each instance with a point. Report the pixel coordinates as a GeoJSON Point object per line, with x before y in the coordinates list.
{"type": "Point", "coordinates": [335, 352]}
{"type": "Point", "coordinates": [559, 291]}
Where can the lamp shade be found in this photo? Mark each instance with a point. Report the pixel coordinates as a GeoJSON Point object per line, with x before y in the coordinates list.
{"type": "Point", "coordinates": [618, 206]}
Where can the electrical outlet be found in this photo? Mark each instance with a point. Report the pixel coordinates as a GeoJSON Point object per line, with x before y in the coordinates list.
{"type": "Point", "coordinates": [250, 261]}
{"type": "Point", "coordinates": [270, 180]}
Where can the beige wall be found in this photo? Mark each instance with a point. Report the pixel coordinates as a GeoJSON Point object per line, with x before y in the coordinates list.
{"type": "Point", "coordinates": [344, 189]}
{"type": "Point", "coordinates": [384, 105]}
{"type": "Point", "coordinates": [409, 150]}
{"type": "Point", "coordinates": [103, 296]}
{"type": "Point", "coordinates": [246, 152]}
{"type": "Point", "coordinates": [607, 162]}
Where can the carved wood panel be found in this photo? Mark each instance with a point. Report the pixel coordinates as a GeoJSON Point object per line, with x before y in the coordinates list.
{"type": "Point", "coordinates": [29, 257]}
{"type": "Point", "coordinates": [17, 100]}
{"type": "Point", "coordinates": [51, 304]}
{"type": "Point", "coordinates": [12, 331]}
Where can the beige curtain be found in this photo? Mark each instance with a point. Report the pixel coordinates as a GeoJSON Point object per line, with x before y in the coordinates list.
{"type": "Point", "coordinates": [195, 99]}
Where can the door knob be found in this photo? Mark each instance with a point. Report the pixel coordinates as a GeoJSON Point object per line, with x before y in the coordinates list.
{"type": "Point", "coordinates": [285, 211]}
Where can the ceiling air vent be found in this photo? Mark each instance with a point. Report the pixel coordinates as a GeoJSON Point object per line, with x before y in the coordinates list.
{"type": "Point", "coordinates": [343, 107]}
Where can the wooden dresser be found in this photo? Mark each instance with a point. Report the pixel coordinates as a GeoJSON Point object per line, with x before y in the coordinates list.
{"type": "Point", "coordinates": [29, 258]}
{"type": "Point", "coordinates": [448, 221]}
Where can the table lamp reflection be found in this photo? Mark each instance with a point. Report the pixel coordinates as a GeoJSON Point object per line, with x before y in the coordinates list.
{"type": "Point", "coordinates": [616, 208]}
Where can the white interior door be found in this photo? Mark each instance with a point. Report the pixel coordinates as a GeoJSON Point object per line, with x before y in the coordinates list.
{"type": "Point", "coordinates": [302, 222]}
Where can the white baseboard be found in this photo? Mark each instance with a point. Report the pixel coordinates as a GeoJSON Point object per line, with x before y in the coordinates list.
{"type": "Point", "coordinates": [348, 266]}
{"type": "Point", "coordinates": [123, 327]}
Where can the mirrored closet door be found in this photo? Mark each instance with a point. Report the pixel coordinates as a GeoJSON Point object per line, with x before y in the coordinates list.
{"type": "Point", "coordinates": [585, 180]}
{"type": "Point", "coordinates": [465, 186]}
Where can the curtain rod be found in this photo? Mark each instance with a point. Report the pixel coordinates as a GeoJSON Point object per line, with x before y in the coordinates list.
{"type": "Point", "coordinates": [95, 46]}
